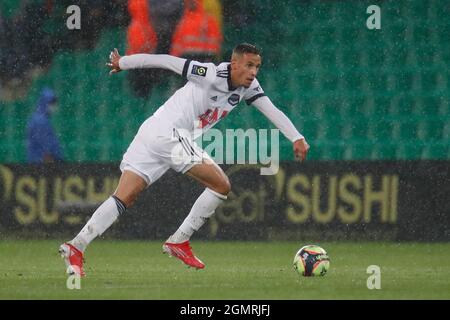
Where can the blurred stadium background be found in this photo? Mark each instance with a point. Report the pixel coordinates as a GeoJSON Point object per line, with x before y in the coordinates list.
{"type": "Point", "coordinates": [373, 104]}
{"type": "Point", "coordinates": [357, 93]}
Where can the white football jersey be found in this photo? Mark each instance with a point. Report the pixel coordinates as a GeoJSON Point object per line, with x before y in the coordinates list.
{"type": "Point", "coordinates": [206, 98]}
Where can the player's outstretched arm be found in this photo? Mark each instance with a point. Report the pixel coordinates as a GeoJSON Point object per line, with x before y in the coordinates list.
{"type": "Point", "coordinates": [143, 61]}
{"type": "Point", "coordinates": [282, 122]}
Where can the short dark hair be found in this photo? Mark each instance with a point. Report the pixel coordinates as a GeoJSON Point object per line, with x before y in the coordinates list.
{"type": "Point", "coordinates": [246, 48]}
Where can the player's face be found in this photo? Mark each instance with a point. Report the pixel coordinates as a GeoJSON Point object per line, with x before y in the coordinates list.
{"type": "Point", "coordinates": [244, 68]}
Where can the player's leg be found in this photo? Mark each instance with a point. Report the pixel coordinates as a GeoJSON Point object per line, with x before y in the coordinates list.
{"type": "Point", "coordinates": [211, 176]}
{"type": "Point", "coordinates": [129, 187]}
{"type": "Point", "coordinates": [183, 155]}
{"type": "Point", "coordinates": [217, 187]}
{"type": "Point", "coordinates": [140, 166]}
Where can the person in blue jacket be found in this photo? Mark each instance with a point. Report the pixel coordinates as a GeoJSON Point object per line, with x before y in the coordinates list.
{"type": "Point", "coordinates": [42, 143]}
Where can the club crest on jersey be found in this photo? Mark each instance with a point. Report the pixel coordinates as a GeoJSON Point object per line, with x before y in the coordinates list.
{"type": "Point", "coordinates": [199, 70]}
{"type": "Point", "coordinates": [234, 99]}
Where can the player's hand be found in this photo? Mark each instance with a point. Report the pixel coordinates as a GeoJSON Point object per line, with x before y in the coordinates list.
{"type": "Point", "coordinates": [113, 63]}
{"type": "Point", "coordinates": [301, 148]}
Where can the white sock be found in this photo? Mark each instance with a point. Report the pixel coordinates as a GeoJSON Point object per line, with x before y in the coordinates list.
{"type": "Point", "coordinates": [202, 209]}
{"type": "Point", "coordinates": [101, 220]}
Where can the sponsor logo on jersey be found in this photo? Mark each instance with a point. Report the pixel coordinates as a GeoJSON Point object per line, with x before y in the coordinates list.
{"type": "Point", "coordinates": [257, 88]}
{"type": "Point", "coordinates": [234, 99]}
{"type": "Point", "coordinates": [211, 116]}
{"type": "Point", "coordinates": [199, 70]}
{"type": "Point", "coordinates": [214, 98]}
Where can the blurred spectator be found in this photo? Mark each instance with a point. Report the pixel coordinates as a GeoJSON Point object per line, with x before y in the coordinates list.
{"type": "Point", "coordinates": [141, 34]}
{"type": "Point", "coordinates": [165, 15]}
{"type": "Point", "coordinates": [42, 143]}
{"type": "Point", "coordinates": [198, 35]}
{"type": "Point", "coordinates": [150, 31]}
{"type": "Point", "coordinates": [214, 8]}
{"type": "Point", "coordinates": [182, 28]}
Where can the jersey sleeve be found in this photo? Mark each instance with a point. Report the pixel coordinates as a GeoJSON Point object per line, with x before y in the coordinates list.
{"type": "Point", "coordinates": [199, 72]}
{"type": "Point", "coordinates": [278, 118]}
{"type": "Point", "coordinates": [253, 92]}
{"type": "Point", "coordinates": [142, 61]}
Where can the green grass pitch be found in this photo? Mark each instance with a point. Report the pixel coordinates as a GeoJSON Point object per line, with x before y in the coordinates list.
{"type": "Point", "coordinates": [32, 269]}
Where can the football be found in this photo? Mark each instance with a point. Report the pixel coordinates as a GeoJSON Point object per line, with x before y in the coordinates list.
{"type": "Point", "coordinates": [311, 260]}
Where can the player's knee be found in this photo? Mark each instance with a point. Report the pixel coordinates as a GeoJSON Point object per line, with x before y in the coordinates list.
{"type": "Point", "coordinates": [128, 200]}
{"type": "Point", "coordinates": [224, 187]}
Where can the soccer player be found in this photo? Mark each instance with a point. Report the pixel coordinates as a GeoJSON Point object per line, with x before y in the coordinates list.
{"type": "Point", "coordinates": [210, 93]}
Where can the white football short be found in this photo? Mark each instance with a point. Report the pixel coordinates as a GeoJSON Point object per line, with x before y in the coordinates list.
{"type": "Point", "coordinates": [157, 148]}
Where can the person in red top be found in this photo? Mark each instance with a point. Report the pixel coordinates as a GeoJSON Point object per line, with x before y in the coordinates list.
{"type": "Point", "coordinates": [152, 25]}
{"type": "Point", "coordinates": [141, 38]}
{"type": "Point", "coordinates": [198, 35]}
{"type": "Point", "coordinates": [140, 34]}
